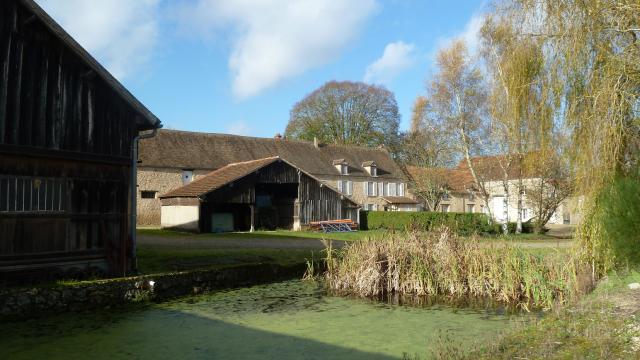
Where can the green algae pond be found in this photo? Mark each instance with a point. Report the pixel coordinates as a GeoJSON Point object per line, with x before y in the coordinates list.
{"type": "Point", "coordinates": [287, 320]}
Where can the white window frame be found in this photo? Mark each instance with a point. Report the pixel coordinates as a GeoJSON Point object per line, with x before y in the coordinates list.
{"type": "Point", "coordinates": [445, 208]}
{"type": "Point", "coordinates": [470, 208]}
{"type": "Point", "coordinates": [393, 186]}
{"type": "Point", "coordinates": [348, 190]}
{"type": "Point", "coordinates": [371, 190]}
{"type": "Point", "coordinates": [401, 189]}
{"type": "Point", "coordinates": [187, 176]}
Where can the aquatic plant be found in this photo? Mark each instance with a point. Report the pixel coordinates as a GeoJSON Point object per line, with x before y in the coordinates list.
{"type": "Point", "coordinates": [441, 263]}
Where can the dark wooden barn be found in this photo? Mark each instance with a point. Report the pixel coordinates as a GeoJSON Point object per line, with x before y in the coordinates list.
{"type": "Point", "coordinates": [67, 136]}
{"type": "Point", "coordinates": [267, 193]}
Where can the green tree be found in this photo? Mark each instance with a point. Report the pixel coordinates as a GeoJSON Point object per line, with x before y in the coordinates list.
{"type": "Point", "coordinates": [348, 113]}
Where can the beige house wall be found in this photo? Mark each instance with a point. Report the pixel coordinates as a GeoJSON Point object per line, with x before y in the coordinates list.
{"type": "Point", "coordinates": [160, 180]}
{"type": "Point", "coordinates": [568, 211]}
{"type": "Point", "coordinates": [181, 217]}
{"type": "Point", "coordinates": [459, 202]}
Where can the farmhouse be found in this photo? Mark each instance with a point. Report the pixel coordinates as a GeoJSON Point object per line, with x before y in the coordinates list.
{"type": "Point", "coordinates": [369, 177]}
{"type": "Point", "coordinates": [462, 194]}
{"type": "Point", "coordinates": [67, 130]}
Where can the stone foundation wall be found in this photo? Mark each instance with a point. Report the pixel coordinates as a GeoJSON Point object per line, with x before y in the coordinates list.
{"type": "Point", "coordinates": [22, 303]}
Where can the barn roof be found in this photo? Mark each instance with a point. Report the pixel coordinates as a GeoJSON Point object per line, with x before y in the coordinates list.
{"type": "Point", "coordinates": [150, 120]}
{"type": "Point", "coordinates": [192, 150]}
{"type": "Point", "coordinates": [219, 178]}
{"type": "Point", "coordinates": [227, 174]}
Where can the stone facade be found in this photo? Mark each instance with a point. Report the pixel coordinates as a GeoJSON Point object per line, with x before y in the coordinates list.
{"type": "Point", "coordinates": [158, 181]}
{"type": "Point", "coordinates": [358, 193]}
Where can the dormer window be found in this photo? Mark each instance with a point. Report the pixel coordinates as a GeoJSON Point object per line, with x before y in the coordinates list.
{"type": "Point", "coordinates": [341, 166]}
{"type": "Point", "coordinates": [371, 168]}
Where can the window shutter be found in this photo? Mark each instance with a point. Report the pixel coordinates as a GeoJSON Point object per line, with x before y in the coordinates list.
{"type": "Point", "coordinates": [364, 188]}
{"type": "Point", "coordinates": [349, 187]}
{"type": "Point", "coordinates": [340, 186]}
{"type": "Point", "coordinates": [401, 189]}
{"type": "Point", "coordinates": [374, 188]}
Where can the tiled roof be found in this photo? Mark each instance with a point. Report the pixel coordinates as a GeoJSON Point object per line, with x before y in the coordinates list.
{"type": "Point", "coordinates": [218, 178]}
{"type": "Point", "coordinates": [458, 180]}
{"type": "Point", "coordinates": [192, 150]}
{"type": "Point", "coordinates": [399, 200]}
{"type": "Point", "coordinates": [491, 168]}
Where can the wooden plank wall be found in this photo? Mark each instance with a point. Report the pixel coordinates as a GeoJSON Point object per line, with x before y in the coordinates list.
{"type": "Point", "coordinates": [50, 99]}
{"type": "Point", "coordinates": [318, 203]}
{"type": "Point", "coordinates": [59, 120]}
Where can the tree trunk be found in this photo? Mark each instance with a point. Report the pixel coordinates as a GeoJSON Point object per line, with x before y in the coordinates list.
{"type": "Point", "coordinates": [519, 221]}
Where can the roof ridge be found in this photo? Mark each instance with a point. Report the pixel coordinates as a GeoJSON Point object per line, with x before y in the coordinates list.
{"type": "Point", "coordinates": [306, 142]}
{"type": "Point", "coordinates": [251, 161]}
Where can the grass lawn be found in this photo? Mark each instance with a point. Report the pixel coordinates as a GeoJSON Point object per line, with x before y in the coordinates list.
{"type": "Point", "coordinates": [157, 259]}
{"type": "Point", "coordinates": [603, 325]}
{"type": "Point", "coordinates": [345, 236]}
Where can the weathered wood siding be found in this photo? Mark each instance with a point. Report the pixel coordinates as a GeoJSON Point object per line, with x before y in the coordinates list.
{"type": "Point", "coordinates": [50, 99]}
{"type": "Point", "coordinates": [65, 145]}
{"type": "Point", "coordinates": [319, 203]}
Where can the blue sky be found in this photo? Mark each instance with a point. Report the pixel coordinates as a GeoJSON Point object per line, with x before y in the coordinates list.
{"type": "Point", "coordinates": [239, 66]}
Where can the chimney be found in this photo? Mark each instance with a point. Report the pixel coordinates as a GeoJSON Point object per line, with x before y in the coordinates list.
{"type": "Point", "coordinates": [315, 142]}
{"type": "Point", "coordinates": [278, 136]}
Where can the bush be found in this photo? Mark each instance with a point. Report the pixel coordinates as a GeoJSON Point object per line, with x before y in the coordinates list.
{"type": "Point", "coordinates": [618, 215]}
{"type": "Point", "coordinates": [461, 223]}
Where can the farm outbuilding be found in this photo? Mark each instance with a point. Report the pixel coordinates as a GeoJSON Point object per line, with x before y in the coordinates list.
{"type": "Point", "coordinates": [67, 135]}
{"type": "Point", "coordinates": [266, 193]}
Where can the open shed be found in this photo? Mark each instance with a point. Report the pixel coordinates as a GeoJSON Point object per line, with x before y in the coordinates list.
{"type": "Point", "coordinates": [68, 130]}
{"type": "Point", "coordinates": [267, 193]}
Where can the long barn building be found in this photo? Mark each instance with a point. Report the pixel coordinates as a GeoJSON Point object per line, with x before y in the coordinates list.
{"type": "Point", "coordinates": [67, 131]}
{"type": "Point", "coordinates": [367, 177]}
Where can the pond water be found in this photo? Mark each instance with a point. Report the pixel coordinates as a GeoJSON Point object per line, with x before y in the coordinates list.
{"type": "Point", "coordinates": [287, 320]}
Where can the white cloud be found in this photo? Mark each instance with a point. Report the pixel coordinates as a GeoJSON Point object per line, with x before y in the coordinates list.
{"type": "Point", "coordinates": [121, 34]}
{"type": "Point", "coordinates": [397, 57]}
{"type": "Point", "coordinates": [239, 128]}
{"type": "Point", "coordinates": [274, 40]}
{"type": "Point", "coordinates": [470, 34]}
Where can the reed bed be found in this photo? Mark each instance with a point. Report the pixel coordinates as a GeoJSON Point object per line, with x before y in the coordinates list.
{"type": "Point", "coordinates": [440, 263]}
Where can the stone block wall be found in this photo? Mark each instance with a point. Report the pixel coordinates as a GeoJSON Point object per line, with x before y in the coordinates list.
{"type": "Point", "coordinates": [160, 180]}
{"type": "Point", "coordinates": [29, 302]}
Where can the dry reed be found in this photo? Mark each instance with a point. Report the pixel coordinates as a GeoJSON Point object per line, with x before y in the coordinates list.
{"type": "Point", "coordinates": [440, 263]}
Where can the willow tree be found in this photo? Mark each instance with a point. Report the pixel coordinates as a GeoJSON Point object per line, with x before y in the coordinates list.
{"type": "Point", "coordinates": [348, 113]}
{"type": "Point", "coordinates": [521, 105]}
{"type": "Point", "coordinates": [593, 50]}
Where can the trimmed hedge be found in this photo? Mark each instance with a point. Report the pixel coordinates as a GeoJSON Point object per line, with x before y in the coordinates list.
{"type": "Point", "coordinates": [462, 223]}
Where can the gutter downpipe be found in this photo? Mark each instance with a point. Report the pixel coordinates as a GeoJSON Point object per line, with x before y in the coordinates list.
{"type": "Point", "coordinates": [134, 193]}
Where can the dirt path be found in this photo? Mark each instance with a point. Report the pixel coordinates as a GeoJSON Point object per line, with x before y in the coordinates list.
{"type": "Point", "coordinates": [250, 243]}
